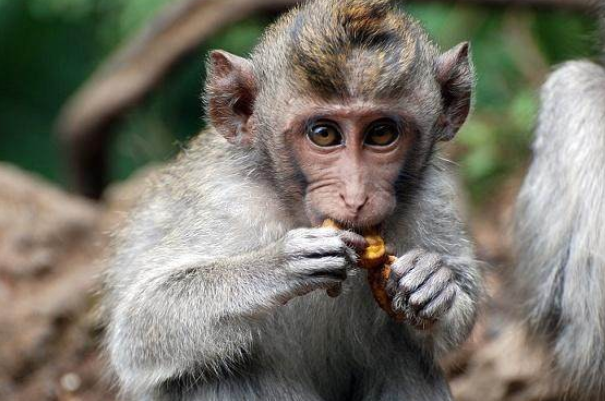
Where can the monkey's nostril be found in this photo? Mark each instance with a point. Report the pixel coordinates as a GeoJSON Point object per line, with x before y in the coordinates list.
{"type": "Point", "coordinates": [362, 203]}
{"type": "Point", "coordinates": [354, 204]}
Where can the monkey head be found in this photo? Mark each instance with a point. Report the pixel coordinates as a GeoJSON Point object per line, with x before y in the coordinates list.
{"type": "Point", "coordinates": [343, 106]}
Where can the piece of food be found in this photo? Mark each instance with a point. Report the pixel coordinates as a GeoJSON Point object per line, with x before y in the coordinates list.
{"type": "Point", "coordinates": [329, 223]}
{"type": "Point", "coordinates": [377, 278]}
{"type": "Point", "coordinates": [375, 255]}
{"type": "Point", "coordinates": [377, 262]}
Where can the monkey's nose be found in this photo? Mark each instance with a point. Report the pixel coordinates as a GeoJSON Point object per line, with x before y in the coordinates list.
{"type": "Point", "coordinates": [354, 204]}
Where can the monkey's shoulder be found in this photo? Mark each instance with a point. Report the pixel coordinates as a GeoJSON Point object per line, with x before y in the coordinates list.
{"type": "Point", "coordinates": [206, 197]}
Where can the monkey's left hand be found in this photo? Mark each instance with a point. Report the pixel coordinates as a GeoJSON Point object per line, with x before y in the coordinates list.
{"type": "Point", "coordinates": [422, 286]}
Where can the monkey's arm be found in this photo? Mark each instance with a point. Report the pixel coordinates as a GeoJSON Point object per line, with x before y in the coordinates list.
{"type": "Point", "coordinates": [190, 310]}
{"type": "Point", "coordinates": [453, 328]}
{"type": "Point", "coordinates": [436, 281]}
{"type": "Point", "coordinates": [180, 312]}
{"type": "Point", "coordinates": [438, 293]}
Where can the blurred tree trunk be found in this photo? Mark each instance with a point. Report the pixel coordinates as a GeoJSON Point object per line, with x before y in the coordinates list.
{"type": "Point", "coordinates": [86, 121]}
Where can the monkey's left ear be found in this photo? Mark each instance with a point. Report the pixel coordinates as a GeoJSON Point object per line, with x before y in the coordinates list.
{"type": "Point", "coordinates": [230, 96]}
{"type": "Point", "coordinates": [454, 73]}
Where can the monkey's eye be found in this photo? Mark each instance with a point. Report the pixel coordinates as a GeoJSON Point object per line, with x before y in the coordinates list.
{"type": "Point", "coordinates": [382, 133]}
{"type": "Point", "coordinates": [324, 135]}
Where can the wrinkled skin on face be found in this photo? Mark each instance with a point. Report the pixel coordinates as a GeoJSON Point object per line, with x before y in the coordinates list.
{"type": "Point", "coordinates": [353, 181]}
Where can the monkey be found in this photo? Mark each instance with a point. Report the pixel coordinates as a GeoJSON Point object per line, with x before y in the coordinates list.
{"type": "Point", "coordinates": [216, 287]}
{"type": "Point", "coordinates": [559, 229]}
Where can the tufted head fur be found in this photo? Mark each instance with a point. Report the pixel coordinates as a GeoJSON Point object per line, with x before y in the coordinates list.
{"type": "Point", "coordinates": [345, 48]}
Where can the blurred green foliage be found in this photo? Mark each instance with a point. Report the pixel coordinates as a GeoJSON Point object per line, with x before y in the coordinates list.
{"type": "Point", "coordinates": [48, 48]}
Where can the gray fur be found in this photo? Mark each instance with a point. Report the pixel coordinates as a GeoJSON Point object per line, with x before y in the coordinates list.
{"type": "Point", "coordinates": [560, 229]}
{"type": "Point", "coordinates": [212, 291]}
{"type": "Point", "coordinates": [196, 288]}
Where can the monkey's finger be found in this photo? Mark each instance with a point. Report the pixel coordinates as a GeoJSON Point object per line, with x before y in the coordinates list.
{"type": "Point", "coordinates": [431, 289]}
{"type": "Point", "coordinates": [334, 291]}
{"type": "Point", "coordinates": [322, 232]}
{"type": "Point", "coordinates": [354, 240]}
{"type": "Point", "coordinates": [405, 263]}
{"type": "Point", "coordinates": [424, 268]}
{"type": "Point", "coordinates": [316, 247]}
{"type": "Point", "coordinates": [400, 305]}
{"type": "Point", "coordinates": [325, 283]}
{"type": "Point", "coordinates": [440, 305]}
{"type": "Point", "coordinates": [328, 266]}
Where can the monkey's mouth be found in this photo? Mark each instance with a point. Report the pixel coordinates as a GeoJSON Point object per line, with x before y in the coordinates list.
{"type": "Point", "coordinates": [358, 223]}
{"type": "Point", "coordinates": [358, 227]}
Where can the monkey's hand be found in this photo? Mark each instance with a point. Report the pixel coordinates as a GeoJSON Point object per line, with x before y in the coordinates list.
{"type": "Point", "coordinates": [317, 258]}
{"type": "Point", "coordinates": [423, 287]}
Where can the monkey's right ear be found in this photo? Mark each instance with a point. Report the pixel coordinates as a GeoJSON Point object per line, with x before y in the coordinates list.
{"type": "Point", "coordinates": [230, 96]}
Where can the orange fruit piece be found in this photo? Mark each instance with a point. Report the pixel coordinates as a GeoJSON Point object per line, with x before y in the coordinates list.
{"type": "Point", "coordinates": [375, 259]}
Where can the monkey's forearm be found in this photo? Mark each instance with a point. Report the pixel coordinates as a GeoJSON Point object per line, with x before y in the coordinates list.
{"type": "Point", "coordinates": [194, 312]}
{"type": "Point", "coordinates": [197, 312]}
{"type": "Point", "coordinates": [458, 323]}
{"type": "Point", "coordinates": [452, 329]}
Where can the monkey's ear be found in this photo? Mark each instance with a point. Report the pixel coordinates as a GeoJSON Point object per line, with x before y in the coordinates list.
{"type": "Point", "coordinates": [230, 96]}
{"type": "Point", "coordinates": [455, 75]}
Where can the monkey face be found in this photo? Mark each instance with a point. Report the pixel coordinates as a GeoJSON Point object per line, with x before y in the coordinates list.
{"type": "Point", "coordinates": [343, 124]}
{"type": "Point", "coordinates": [351, 157]}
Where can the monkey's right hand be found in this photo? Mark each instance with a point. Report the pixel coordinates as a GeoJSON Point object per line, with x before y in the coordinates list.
{"type": "Point", "coordinates": [318, 258]}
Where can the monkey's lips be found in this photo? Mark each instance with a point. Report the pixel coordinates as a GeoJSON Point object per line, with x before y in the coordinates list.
{"type": "Point", "coordinates": [357, 225]}
{"type": "Point", "coordinates": [372, 216]}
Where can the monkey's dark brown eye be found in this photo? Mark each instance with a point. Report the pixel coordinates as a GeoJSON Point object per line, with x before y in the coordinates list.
{"type": "Point", "coordinates": [324, 135]}
{"type": "Point", "coordinates": [382, 133]}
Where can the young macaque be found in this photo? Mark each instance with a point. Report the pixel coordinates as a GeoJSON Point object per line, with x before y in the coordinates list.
{"type": "Point", "coordinates": [217, 289]}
